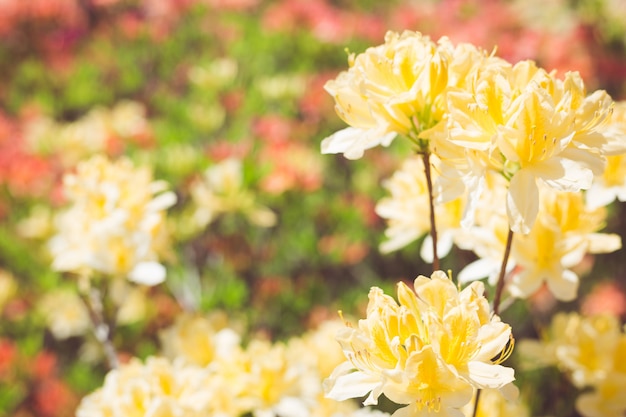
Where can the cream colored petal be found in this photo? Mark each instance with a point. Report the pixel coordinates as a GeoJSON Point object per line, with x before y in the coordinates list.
{"type": "Point", "coordinates": [147, 273]}
{"type": "Point", "coordinates": [444, 246]}
{"type": "Point", "coordinates": [412, 410]}
{"type": "Point", "coordinates": [598, 195]}
{"type": "Point", "coordinates": [604, 242]}
{"type": "Point", "coordinates": [354, 385]}
{"type": "Point", "coordinates": [478, 269]}
{"type": "Point", "coordinates": [525, 283]}
{"type": "Point", "coordinates": [565, 286]}
{"type": "Point", "coordinates": [353, 142]}
{"type": "Point", "coordinates": [484, 375]}
{"type": "Point", "coordinates": [162, 201]}
{"type": "Point", "coordinates": [565, 174]}
{"type": "Point", "coordinates": [493, 338]}
{"type": "Point", "coordinates": [398, 239]}
{"type": "Point", "coordinates": [522, 202]}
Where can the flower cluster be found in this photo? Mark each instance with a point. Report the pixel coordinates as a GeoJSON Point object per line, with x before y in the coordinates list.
{"type": "Point", "coordinates": [565, 231]}
{"type": "Point", "coordinates": [404, 211]}
{"type": "Point", "coordinates": [477, 113]}
{"type": "Point", "coordinates": [221, 190]}
{"type": "Point", "coordinates": [210, 373]}
{"type": "Point", "coordinates": [115, 225]}
{"type": "Point", "coordinates": [591, 351]}
{"type": "Point", "coordinates": [101, 130]}
{"type": "Point", "coordinates": [509, 147]}
{"type": "Point", "coordinates": [156, 388]}
{"type": "Point", "coordinates": [429, 351]}
{"type": "Point", "coordinates": [398, 88]}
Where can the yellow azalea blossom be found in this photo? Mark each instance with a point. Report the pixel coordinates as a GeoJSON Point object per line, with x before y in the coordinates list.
{"type": "Point", "coordinates": [115, 225]}
{"type": "Point", "coordinates": [429, 350]}
{"type": "Point", "coordinates": [611, 183]}
{"type": "Point", "coordinates": [397, 88]}
{"type": "Point", "coordinates": [154, 388]}
{"type": "Point", "coordinates": [88, 135]}
{"type": "Point", "coordinates": [407, 211]}
{"type": "Point", "coordinates": [564, 233]}
{"type": "Point", "coordinates": [590, 350]}
{"type": "Point", "coordinates": [608, 399]}
{"type": "Point", "coordinates": [65, 313]}
{"type": "Point", "coordinates": [314, 350]}
{"type": "Point", "coordinates": [488, 235]}
{"type": "Point", "coordinates": [221, 190]}
{"type": "Point", "coordinates": [264, 381]}
{"type": "Point", "coordinates": [198, 339]}
{"type": "Point", "coordinates": [587, 348]}
{"type": "Point", "coordinates": [531, 127]}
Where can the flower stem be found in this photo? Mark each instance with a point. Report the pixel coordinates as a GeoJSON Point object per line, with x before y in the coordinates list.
{"type": "Point", "coordinates": [500, 285]}
{"type": "Point", "coordinates": [433, 227]}
{"type": "Point", "coordinates": [102, 330]}
{"type": "Point", "coordinates": [476, 399]}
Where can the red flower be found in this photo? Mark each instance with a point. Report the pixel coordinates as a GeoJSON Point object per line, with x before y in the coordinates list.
{"type": "Point", "coordinates": [53, 398]}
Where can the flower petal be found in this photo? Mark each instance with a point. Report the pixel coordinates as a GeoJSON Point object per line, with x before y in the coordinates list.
{"type": "Point", "coordinates": [353, 385]}
{"type": "Point", "coordinates": [484, 375]}
{"type": "Point", "coordinates": [147, 273]}
{"type": "Point", "coordinates": [353, 142]}
{"type": "Point", "coordinates": [565, 174]}
{"type": "Point", "coordinates": [565, 286]}
{"type": "Point", "coordinates": [522, 201]}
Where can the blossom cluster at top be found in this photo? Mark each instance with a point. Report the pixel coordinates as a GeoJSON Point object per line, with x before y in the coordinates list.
{"type": "Point", "coordinates": [510, 147]}
{"type": "Point", "coordinates": [477, 113]}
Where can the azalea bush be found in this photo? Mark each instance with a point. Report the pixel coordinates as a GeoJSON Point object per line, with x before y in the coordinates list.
{"type": "Point", "coordinates": [312, 208]}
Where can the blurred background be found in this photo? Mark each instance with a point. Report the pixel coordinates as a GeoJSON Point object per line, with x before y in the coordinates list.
{"type": "Point", "coordinates": [181, 86]}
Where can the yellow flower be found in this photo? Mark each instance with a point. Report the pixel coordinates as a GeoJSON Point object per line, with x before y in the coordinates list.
{"type": "Point", "coordinates": [263, 380]}
{"type": "Point", "coordinates": [154, 388]}
{"type": "Point", "coordinates": [407, 211]}
{"type": "Point", "coordinates": [90, 134]}
{"type": "Point", "coordinates": [591, 351]}
{"type": "Point", "coordinates": [608, 399]}
{"type": "Point", "coordinates": [488, 235]}
{"type": "Point", "coordinates": [429, 350]}
{"type": "Point", "coordinates": [397, 88]}
{"type": "Point", "coordinates": [563, 234]}
{"type": "Point", "coordinates": [198, 339]}
{"type": "Point", "coordinates": [531, 127]}
{"type": "Point", "coordinates": [610, 184]}
{"type": "Point", "coordinates": [221, 190]}
{"type": "Point", "coordinates": [65, 314]}
{"type": "Point", "coordinates": [115, 225]}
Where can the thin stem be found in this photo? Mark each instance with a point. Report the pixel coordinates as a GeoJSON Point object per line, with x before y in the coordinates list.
{"type": "Point", "coordinates": [476, 399]}
{"type": "Point", "coordinates": [102, 330]}
{"type": "Point", "coordinates": [500, 284]}
{"type": "Point", "coordinates": [433, 227]}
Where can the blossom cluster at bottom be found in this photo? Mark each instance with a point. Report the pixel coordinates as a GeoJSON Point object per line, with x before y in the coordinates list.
{"type": "Point", "coordinates": [430, 351]}
{"type": "Point", "coordinates": [204, 371]}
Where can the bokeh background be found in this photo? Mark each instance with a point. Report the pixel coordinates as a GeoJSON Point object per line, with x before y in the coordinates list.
{"type": "Point", "coordinates": [184, 85]}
